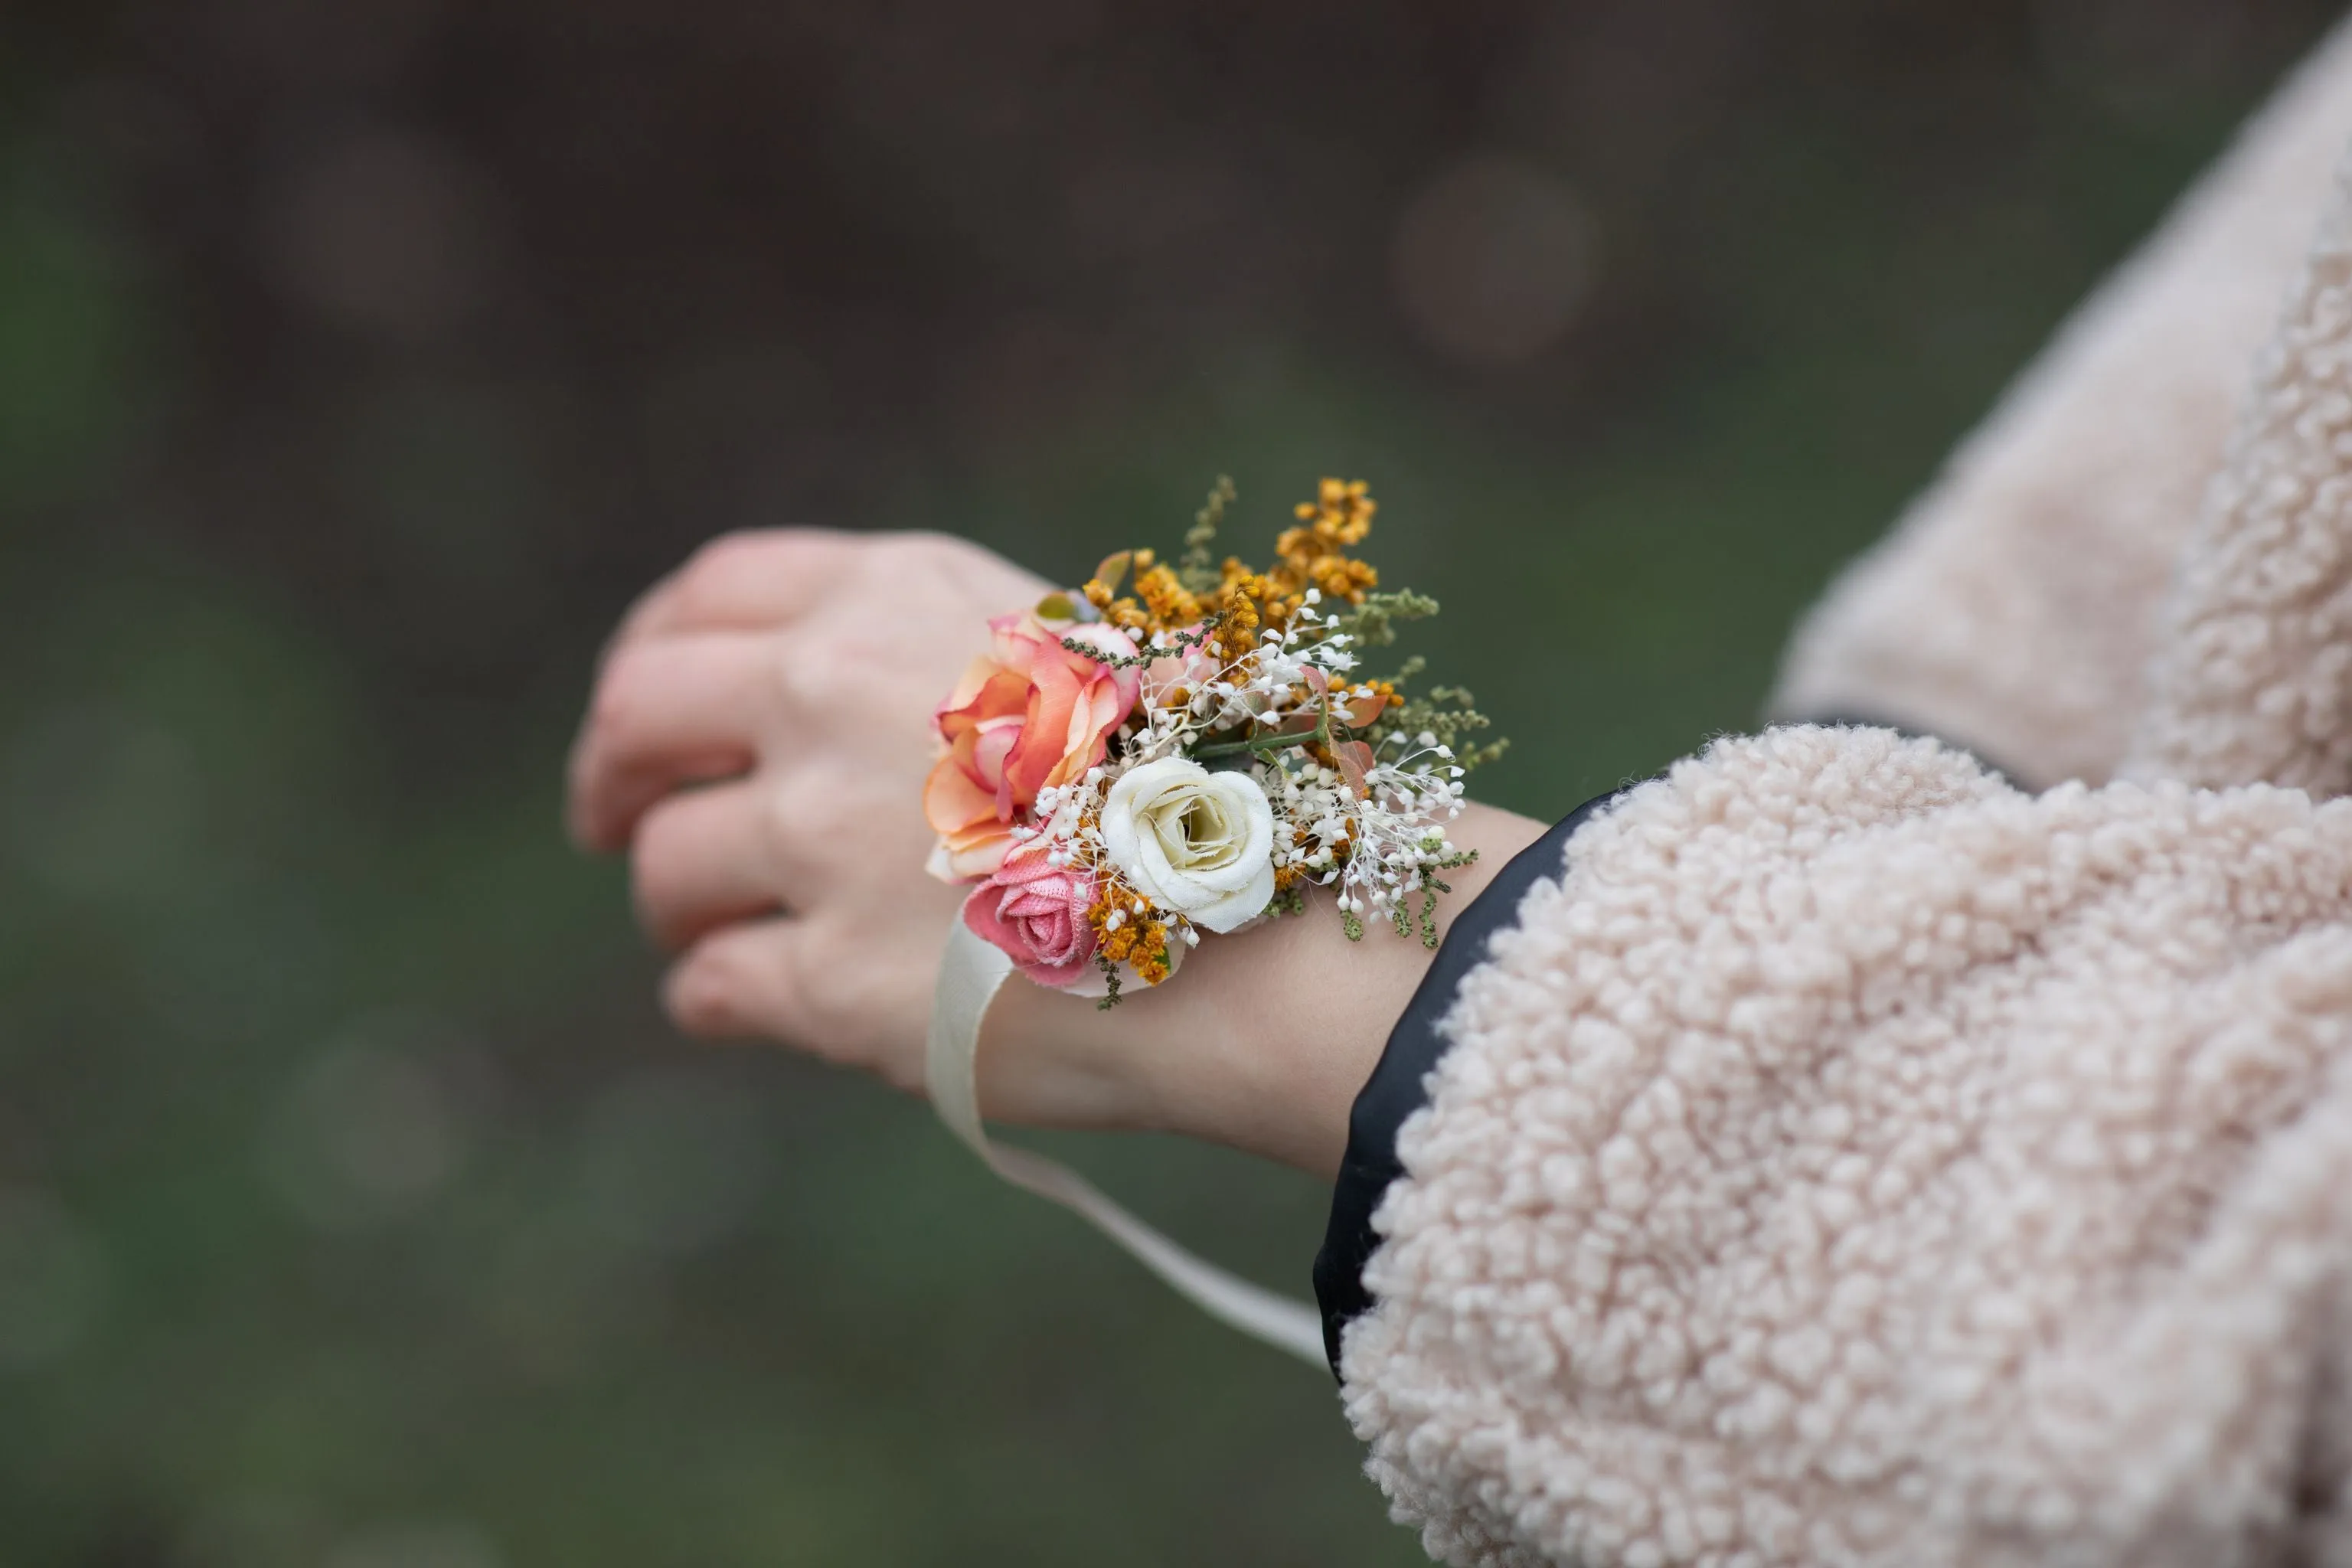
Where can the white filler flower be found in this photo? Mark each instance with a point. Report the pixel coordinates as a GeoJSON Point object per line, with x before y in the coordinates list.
{"type": "Point", "coordinates": [1197, 843]}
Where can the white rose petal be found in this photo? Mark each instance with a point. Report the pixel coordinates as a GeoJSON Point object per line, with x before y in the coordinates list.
{"type": "Point", "coordinates": [1196, 843]}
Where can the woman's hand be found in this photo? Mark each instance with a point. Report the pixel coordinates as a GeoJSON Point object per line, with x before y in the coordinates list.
{"type": "Point", "coordinates": [758, 741]}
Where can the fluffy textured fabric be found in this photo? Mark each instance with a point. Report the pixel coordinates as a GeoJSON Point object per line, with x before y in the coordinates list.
{"type": "Point", "coordinates": [2015, 609]}
{"type": "Point", "coordinates": [1856, 1161]}
{"type": "Point", "coordinates": [2253, 670]}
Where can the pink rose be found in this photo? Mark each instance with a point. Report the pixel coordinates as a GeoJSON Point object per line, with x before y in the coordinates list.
{"type": "Point", "coordinates": [1028, 715]}
{"type": "Point", "coordinates": [1036, 913]}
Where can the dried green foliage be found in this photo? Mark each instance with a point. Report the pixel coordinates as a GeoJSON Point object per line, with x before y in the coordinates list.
{"type": "Point", "coordinates": [1198, 570]}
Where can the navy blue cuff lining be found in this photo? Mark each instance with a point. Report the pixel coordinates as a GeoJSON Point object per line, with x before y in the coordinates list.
{"type": "Point", "coordinates": [1395, 1091]}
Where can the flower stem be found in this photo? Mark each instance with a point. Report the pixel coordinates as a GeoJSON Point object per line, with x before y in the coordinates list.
{"type": "Point", "coordinates": [1275, 743]}
{"type": "Point", "coordinates": [1320, 734]}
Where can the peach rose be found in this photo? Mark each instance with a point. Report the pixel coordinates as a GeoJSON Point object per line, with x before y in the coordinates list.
{"type": "Point", "coordinates": [1028, 715]}
{"type": "Point", "coordinates": [1036, 912]}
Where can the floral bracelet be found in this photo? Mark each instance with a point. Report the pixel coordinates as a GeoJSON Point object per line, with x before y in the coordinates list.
{"type": "Point", "coordinates": [1122, 773]}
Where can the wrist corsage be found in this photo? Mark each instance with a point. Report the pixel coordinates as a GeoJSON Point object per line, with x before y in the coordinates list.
{"type": "Point", "coordinates": [1124, 772]}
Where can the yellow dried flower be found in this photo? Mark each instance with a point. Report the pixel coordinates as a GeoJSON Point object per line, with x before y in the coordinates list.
{"type": "Point", "coordinates": [1237, 605]}
{"type": "Point", "coordinates": [1172, 608]}
{"type": "Point", "coordinates": [1123, 936]}
{"type": "Point", "coordinates": [1315, 555]}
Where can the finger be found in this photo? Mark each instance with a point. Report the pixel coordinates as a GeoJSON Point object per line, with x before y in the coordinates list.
{"type": "Point", "coordinates": [742, 582]}
{"type": "Point", "coordinates": [810, 984]}
{"type": "Point", "coordinates": [666, 712]}
{"type": "Point", "coordinates": [706, 857]}
{"type": "Point", "coordinates": [745, 981]}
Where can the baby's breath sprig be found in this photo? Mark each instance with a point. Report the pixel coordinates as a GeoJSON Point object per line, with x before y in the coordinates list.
{"type": "Point", "coordinates": [1444, 717]}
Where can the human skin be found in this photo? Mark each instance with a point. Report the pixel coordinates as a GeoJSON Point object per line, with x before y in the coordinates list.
{"type": "Point", "coordinates": [756, 745]}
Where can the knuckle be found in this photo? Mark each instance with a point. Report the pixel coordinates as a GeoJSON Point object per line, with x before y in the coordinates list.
{"type": "Point", "coordinates": [786, 826]}
{"type": "Point", "coordinates": [921, 554]}
{"type": "Point", "coordinates": [814, 674]}
{"type": "Point", "coordinates": [853, 1008]}
{"type": "Point", "coordinates": [824, 983]}
{"type": "Point", "coordinates": [711, 572]}
{"type": "Point", "coordinates": [809, 816]}
{"type": "Point", "coordinates": [620, 695]}
{"type": "Point", "coordinates": [706, 581]}
{"type": "Point", "coordinates": [923, 543]}
{"type": "Point", "coordinates": [722, 554]}
{"type": "Point", "coordinates": [653, 861]}
{"type": "Point", "coordinates": [700, 998]}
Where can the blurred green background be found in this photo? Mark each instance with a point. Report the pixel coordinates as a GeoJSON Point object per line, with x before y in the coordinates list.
{"type": "Point", "coordinates": [359, 362]}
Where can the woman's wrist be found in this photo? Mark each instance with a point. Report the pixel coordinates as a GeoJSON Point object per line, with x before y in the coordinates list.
{"type": "Point", "coordinates": [1262, 1045]}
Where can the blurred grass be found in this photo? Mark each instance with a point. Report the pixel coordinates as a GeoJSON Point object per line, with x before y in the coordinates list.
{"type": "Point", "coordinates": [355, 1206]}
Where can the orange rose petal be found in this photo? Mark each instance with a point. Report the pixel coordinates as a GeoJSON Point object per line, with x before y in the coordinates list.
{"type": "Point", "coordinates": [968, 686]}
{"type": "Point", "coordinates": [1086, 721]}
{"type": "Point", "coordinates": [1053, 695]}
{"type": "Point", "coordinates": [977, 852]}
{"type": "Point", "coordinates": [1003, 694]}
{"type": "Point", "coordinates": [992, 743]}
{"type": "Point", "coordinates": [1032, 713]}
{"type": "Point", "coordinates": [952, 802]}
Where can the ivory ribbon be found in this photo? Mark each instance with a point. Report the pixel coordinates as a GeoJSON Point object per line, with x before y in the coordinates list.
{"type": "Point", "coordinates": [970, 972]}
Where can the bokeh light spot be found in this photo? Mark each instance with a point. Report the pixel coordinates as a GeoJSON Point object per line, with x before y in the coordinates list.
{"type": "Point", "coordinates": [1493, 261]}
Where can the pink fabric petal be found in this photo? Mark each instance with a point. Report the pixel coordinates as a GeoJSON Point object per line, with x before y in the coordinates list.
{"type": "Point", "coordinates": [1035, 913]}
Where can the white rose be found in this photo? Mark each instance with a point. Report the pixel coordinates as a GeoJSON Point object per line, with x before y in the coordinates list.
{"type": "Point", "coordinates": [1193, 842]}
